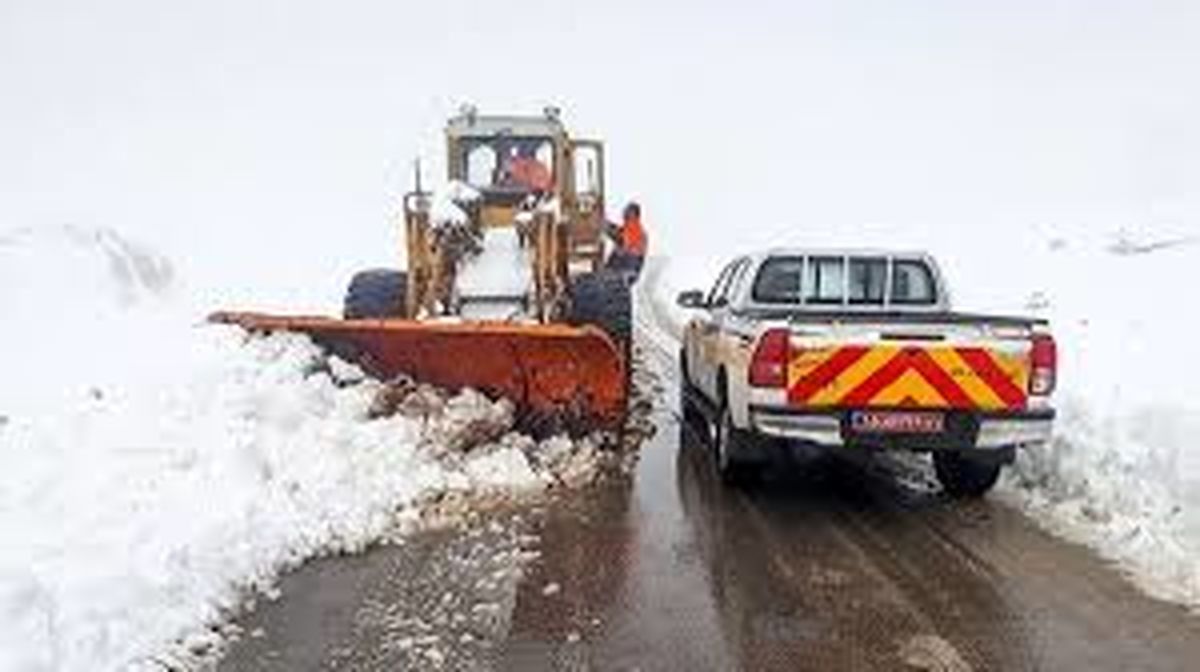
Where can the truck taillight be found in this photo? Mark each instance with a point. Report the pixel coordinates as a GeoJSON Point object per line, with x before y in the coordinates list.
{"type": "Point", "coordinates": [768, 366]}
{"type": "Point", "coordinates": [1043, 359]}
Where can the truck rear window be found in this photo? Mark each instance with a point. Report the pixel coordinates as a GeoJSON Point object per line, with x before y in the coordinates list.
{"type": "Point", "coordinates": [912, 284]}
{"type": "Point", "coordinates": [861, 281]}
{"type": "Point", "coordinates": [825, 280]}
{"type": "Point", "coordinates": [868, 281]}
{"type": "Point", "coordinates": [778, 280]}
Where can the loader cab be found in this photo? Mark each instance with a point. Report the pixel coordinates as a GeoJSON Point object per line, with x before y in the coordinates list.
{"type": "Point", "coordinates": [515, 160]}
{"type": "Point", "coordinates": [504, 165]}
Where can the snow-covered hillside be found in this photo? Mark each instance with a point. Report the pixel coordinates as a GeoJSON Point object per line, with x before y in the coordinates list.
{"type": "Point", "coordinates": [1122, 474]}
{"type": "Point", "coordinates": [156, 467]}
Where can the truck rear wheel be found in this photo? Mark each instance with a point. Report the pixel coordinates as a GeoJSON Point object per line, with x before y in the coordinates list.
{"type": "Point", "coordinates": [962, 475]}
{"type": "Point", "coordinates": [729, 449]}
{"type": "Point", "coordinates": [375, 293]}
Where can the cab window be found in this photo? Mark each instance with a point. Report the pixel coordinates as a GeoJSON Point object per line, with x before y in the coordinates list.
{"type": "Point", "coordinates": [481, 166]}
{"type": "Point", "coordinates": [912, 283]}
{"type": "Point", "coordinates": [868, 281]}
{"type": "Point", "coordinates": [718, 288]}
{"type": "Point", "coordinates": [825, 280]}
{"type": "Point", "coordinates": [778, 280]}
{"type": "Point", "coordinates": [735, 281]}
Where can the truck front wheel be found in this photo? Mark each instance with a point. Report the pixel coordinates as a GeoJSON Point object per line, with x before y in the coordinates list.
{"type": "Point", "coordinates": [687, 395]}
{"type": "Point", "coordinates": [964, 475]}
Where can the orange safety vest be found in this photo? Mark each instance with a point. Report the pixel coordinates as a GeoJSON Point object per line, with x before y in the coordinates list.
{"type": "Point", "coordinates": [633, 237]}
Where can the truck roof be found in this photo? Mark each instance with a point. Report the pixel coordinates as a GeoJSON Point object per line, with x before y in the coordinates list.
{"type": "Point", "coordinates": [792, 251]}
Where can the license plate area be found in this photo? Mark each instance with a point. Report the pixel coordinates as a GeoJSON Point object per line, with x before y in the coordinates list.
{"type": "Point", "coordinates": [902, 423]}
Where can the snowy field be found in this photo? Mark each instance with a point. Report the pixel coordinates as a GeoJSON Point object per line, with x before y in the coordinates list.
{"type": "Point", "coordinates": [156, 468]}
{"type": "Point", "coordinates": [1122, 474]}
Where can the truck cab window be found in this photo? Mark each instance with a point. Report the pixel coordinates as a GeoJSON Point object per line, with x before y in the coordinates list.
{"type": "Point", "coordinates": [778, 280]}
{"type": "Point", "coordinates": [718, 289]}
{"type": "Point", "coordinates": [868, 278]}
{"type": "Point", "coordinates": [735, 280]}
{"type": "Point", "coordinates": [912, 283]}
{"type": "Point", "coordinates": [825, 280]}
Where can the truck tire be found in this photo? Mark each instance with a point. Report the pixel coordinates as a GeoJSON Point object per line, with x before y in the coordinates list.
{"type": "Point", "coordinates": [691, 414]}
{"type": "Point", "coordinates": [964, 476]}
{"type": "Point", "coordinates": [603, 299]}
{"type": "Point", "coordinates": [729, 447]}
{"type": "Point", "coordinates": [375, 293]}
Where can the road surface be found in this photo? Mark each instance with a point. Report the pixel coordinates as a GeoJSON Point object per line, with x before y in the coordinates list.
{"type": "Point", "coordinates": [826, 566]}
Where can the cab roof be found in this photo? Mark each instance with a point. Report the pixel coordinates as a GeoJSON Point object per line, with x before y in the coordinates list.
{"type": "Point", "coordinates": [471, 124]}
{"type": "Point", "coordinates": [842, 252]}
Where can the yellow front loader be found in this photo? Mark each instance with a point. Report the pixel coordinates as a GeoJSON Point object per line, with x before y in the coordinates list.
{"type": "Point", "coordinates": [506, 289]}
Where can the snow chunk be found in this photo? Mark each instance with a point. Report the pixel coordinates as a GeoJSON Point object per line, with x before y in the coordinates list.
{"type": "Point", "coordinates": [550, 206]}
{"type": "Point", "coordinates": [446, 204]}
{"type": "Point", "coordinates": [502, 268]}
{"type": "Point", "coordinates": [461, 192]}
{"type": "Point", "coordinates": [445, 212]}
{"type": "Point", "coordinates": [504, 466]}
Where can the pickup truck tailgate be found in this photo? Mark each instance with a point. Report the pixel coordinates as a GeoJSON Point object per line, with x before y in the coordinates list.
{"type": "Point", "coordinates": [984, 375]}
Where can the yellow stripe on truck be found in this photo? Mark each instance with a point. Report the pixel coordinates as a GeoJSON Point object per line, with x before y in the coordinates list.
{"type": "Point", "coordinates": [831, 395]}
{"type": "Point", "coordinates": [941, 376]}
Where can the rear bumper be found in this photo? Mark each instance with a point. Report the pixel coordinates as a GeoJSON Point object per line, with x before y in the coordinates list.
{"type": "Point", "coordinates": [987, 431]}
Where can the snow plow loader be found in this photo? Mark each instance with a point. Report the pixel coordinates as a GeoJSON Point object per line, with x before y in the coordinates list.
{"type": "Point", "coordinates": [506, 289]}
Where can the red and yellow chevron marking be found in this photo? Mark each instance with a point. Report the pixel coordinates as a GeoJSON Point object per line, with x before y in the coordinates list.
{"type": "Point", "coordinates": [862, 376]}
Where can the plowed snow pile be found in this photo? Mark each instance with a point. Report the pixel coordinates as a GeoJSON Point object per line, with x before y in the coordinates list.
{"type": "Point", "coordinates": [1123, 473]}
{"type": "Point", "coordinates": [155, 468]}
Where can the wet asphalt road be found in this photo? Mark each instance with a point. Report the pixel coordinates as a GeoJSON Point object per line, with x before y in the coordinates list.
{"type": "Point", "coordinates": [824, 566]}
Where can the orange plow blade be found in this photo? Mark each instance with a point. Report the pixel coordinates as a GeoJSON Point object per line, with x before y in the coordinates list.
{"type": "Point", "coordinates": [559, 376]}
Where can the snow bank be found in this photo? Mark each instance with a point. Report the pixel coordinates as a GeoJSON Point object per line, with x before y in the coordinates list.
{"type": "Point", "coordinates": [1122, 474]}
{"type": "Point", "coordinates": [140, 499]}
{"type": "Point", "coordinates": [67, 295]}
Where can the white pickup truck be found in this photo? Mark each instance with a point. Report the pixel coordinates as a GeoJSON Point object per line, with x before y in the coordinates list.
{"type": "Point", "coordinates": [859, 349]}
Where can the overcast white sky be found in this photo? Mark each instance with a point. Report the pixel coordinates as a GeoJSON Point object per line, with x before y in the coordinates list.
{"type": "Point", "coordinates": [261, 144]}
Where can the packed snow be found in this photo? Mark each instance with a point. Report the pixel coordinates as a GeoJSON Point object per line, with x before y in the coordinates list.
{"type": "Point", "coordinates": [1122, 474]}
{"type": "Point", "coordinates": [461, 192]}
{"type": "Point", "coordinates": [446, 204]}
{"type": "Point", "coordinates": [502, 268]}
{"type": "Point", "coordinates": [158, 468]}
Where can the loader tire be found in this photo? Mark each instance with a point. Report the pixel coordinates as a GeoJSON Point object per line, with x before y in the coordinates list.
{"type": "Point", "coordinates": [375, 293]}
{"type": "Point", "coordinates": [603, 299]}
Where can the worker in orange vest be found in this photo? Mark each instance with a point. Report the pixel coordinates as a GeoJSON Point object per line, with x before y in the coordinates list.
{"type": "Point", "coordinates": [630, 238]}
{"type": "Point", "coordinates": [526, 171]}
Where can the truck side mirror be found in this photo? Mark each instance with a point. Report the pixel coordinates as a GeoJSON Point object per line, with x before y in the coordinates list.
{"type": "Point", "coordinates": [692, 298]}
